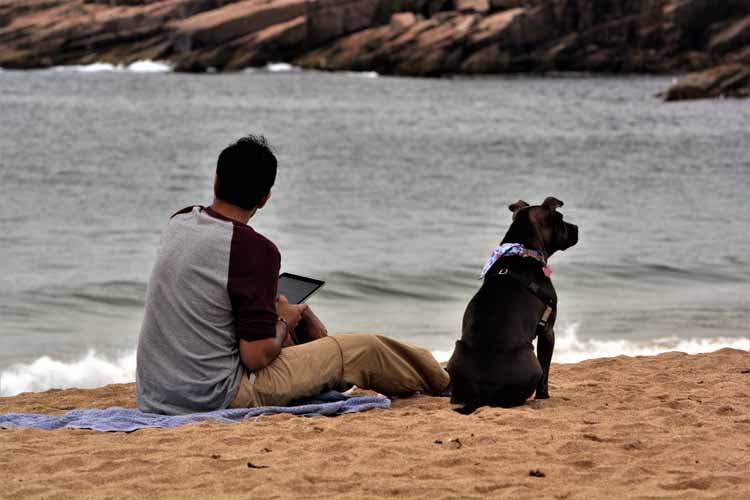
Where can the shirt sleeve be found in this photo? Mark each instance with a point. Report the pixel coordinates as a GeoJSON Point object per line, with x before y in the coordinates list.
{"type": "Point", "coordinates": [254, 264]}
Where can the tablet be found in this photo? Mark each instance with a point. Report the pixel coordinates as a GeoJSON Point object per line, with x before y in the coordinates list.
{"type": "Point", "coordinates": [298, 289]}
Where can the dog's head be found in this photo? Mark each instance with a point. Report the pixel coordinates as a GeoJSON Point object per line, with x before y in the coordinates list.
{"type": "Point", "coordinates": [541, 226]}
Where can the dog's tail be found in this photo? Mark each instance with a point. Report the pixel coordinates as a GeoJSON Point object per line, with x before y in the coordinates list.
{"type": "Point", "coordinates": [481, 394]}
{"type": "Point", "coordinates": [464, 392]}
{"type": "Point", "coordinates": [467, 409]}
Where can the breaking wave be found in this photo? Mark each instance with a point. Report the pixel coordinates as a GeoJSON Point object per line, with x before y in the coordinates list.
{"type": "Point", "coordinates": [570, 349]}
{"type": "Point", "coordinates": [282, 67]}
{"type": "Point", "coordinates": [274, 67]}
{"type": "Point", "coordinates": [45, 373]}
{"type": "Point", "coordinates": [94, 370]}
{"type": "Point", "coordinates": [363, 74]}
{"type": "Point", "coordinates": [145, 66]}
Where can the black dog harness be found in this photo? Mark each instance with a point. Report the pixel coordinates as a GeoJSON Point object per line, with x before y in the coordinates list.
{"type": "Point", "coordinates": [536, 290]}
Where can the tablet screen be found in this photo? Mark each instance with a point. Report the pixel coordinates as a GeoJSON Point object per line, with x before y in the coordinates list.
{"type": "Point", "coordinates": [298, 289]}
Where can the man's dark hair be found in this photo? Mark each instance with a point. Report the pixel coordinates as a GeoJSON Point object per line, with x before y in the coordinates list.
{"type": "Point", "coordinates": [246, 170]}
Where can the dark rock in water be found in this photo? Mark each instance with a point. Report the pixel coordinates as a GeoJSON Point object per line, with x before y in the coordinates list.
{"type": "Point", "coordinates": [729, 80]}
{"type": "Point", "coordinates": [404, 37]}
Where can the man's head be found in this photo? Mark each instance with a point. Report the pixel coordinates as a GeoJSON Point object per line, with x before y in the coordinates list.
{"type": "Point", "coordinates": [245, 172]}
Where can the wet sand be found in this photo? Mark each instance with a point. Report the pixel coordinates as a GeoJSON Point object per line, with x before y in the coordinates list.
{"type": "Point", "coordinates": [668, 426]}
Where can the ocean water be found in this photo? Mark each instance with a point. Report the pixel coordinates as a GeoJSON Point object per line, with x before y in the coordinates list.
{"type": "Point", "coordinates": [393, 190]}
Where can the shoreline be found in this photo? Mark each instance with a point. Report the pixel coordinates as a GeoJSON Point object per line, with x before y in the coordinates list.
{"type": "Point", "coordinates": [281, 67]}
{"type": "Point", "coordinates": [419, 38]}
{"type": "Point", "coordinates": [94, 370]}
{"type": "Point", "coordinates": [730, 81]}
{"type": "Point", "coordinates": [667, 426]}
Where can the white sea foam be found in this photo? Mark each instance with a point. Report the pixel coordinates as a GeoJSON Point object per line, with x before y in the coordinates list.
{"type": "Point", "coordinates": [281, 67]}
{"type": "Point", "coordinates": [363, 74]}
{"type": "Point", "coordinates": [570, 349]}
{"type": "Point", "coordinates": [274, 67]}
{"type": "Point", "coordinates": [94, 370]}
{"type": "Point", "coordinates": [87, 68]}
{"type": "Point", "coordinates": [144, 66]}
{"type": "Point", "coordinates": [46, 373]}
{"type": "Point", "coordinates": [147, 66]}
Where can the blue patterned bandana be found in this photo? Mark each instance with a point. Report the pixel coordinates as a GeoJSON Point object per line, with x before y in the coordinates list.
{"type": "Point", "coordinates": [514, 250]}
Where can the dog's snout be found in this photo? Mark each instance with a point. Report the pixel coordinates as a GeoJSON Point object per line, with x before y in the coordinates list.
{"type": "Point", "coordinates": [572, 234]}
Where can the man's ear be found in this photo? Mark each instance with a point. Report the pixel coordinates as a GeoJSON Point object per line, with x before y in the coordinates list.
{"type": "Point", "coordinates": [264, 200]}
{"type": "Point", "coordinates": [552, 204]}
{"type": "Point", "coordinates": [216, 184]}
{"type": "Point", "coordinates": [515, 207]}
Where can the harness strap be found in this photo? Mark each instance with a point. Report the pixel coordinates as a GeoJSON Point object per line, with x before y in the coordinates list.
{"type": "Point", "coordinates": [536, 290]}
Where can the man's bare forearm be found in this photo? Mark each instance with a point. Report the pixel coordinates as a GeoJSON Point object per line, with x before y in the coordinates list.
{"type": "Point", "coordinates": [258, 354]}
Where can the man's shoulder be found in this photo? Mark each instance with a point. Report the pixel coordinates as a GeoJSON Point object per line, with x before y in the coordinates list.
{"type": "Point", "coordinates": [246, 238]}
{"type": "Point", "coordinates": [185, 210]}
{"type": "Point", "coordinates": [250, 252]}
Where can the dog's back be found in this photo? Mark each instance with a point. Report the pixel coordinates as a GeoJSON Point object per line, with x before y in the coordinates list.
{"type": "Point", "coordinates": [494, 362]}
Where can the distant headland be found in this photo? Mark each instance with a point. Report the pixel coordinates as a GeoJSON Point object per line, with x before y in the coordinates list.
{"type": "Point", "coordinates": [425, 38]}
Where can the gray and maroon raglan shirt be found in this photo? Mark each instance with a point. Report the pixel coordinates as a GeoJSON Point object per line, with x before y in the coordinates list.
{"type": "Point", "coordinates": [214, 282]}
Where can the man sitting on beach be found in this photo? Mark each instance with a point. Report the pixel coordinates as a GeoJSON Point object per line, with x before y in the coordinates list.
{"type": "Point", "coordinates": [214, 330]}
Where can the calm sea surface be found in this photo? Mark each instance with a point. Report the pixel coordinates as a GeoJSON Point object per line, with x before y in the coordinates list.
{"type": "Point", "coordinates": [393, 190]}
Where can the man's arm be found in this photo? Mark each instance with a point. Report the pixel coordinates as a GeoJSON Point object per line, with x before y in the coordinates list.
{"type": "Point", "coordinates": [258, 354]}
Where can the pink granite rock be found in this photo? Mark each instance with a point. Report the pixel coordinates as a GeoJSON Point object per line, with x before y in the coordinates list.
{"type": "Point", "coordinates": [233, 21]}
{"type": "Point", "coordinates": [469, 6]}
{"type": "Point", "coordinates": [413, 37]}
{"type": "Point", "coordinates": [403, 20]}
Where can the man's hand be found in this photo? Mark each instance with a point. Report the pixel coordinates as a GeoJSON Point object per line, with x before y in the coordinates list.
{"type": "Point", "coordinates": [292, 313]}
{"type": "Point", "coordinates": [310, 328]}
{"type": "Point", "coordinates": [258, 354]}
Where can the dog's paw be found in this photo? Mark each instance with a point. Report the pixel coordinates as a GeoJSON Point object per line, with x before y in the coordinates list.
{"type": "Point", "coordinates": [542, 395]}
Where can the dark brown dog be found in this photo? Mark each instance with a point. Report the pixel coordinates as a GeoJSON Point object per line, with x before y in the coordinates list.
{"type": "Point", "coordinates": [494, 362]}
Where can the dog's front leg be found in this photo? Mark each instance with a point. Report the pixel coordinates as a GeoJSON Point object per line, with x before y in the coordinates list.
{"type": "Point", "coordinates": [545, 344]}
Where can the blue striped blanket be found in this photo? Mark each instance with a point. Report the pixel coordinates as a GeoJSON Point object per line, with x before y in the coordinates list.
{"type": "Point", "coordinates": [128, 420]}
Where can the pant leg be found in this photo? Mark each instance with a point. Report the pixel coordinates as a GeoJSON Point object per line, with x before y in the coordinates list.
{"type": "Point", "coordinates": [297, 372]}
{"type": "Point", "coordinates": [389, 366]}
{"type": "Point", "coordinates": [368, 361]}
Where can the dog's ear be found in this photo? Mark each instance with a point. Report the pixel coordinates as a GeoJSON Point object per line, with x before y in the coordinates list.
{"type": "Point", "coordinates": [552, 204]}
{"type": "Point", "coordinates": [515, 207]}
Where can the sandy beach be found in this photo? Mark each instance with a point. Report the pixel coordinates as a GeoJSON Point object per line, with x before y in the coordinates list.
{"type": "Point", "coordinates": [669, 426]}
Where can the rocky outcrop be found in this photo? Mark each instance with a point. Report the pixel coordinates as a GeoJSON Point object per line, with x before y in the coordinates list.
{"type": "Point", "coordinates": [405, 37]}
{"type": "Point", "coordinates": [643, 36]}
{"type": "Point", "coordinates": [40, 33]}
{"type": "Point", "coordinates": [729, 80]}
{"type": "Point", "coordinates": [193, 34]}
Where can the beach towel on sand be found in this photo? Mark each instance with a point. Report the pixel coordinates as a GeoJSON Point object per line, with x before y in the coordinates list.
{"type": "Point", "coordinates": [128, 420]}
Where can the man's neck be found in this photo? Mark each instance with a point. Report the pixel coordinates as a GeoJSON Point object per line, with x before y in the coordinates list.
{"type": "Point", "coordinates": [232, 211]}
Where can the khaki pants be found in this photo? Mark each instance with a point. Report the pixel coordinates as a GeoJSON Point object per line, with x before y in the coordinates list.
{"type": "Point", "coordinates": [367, 361]}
